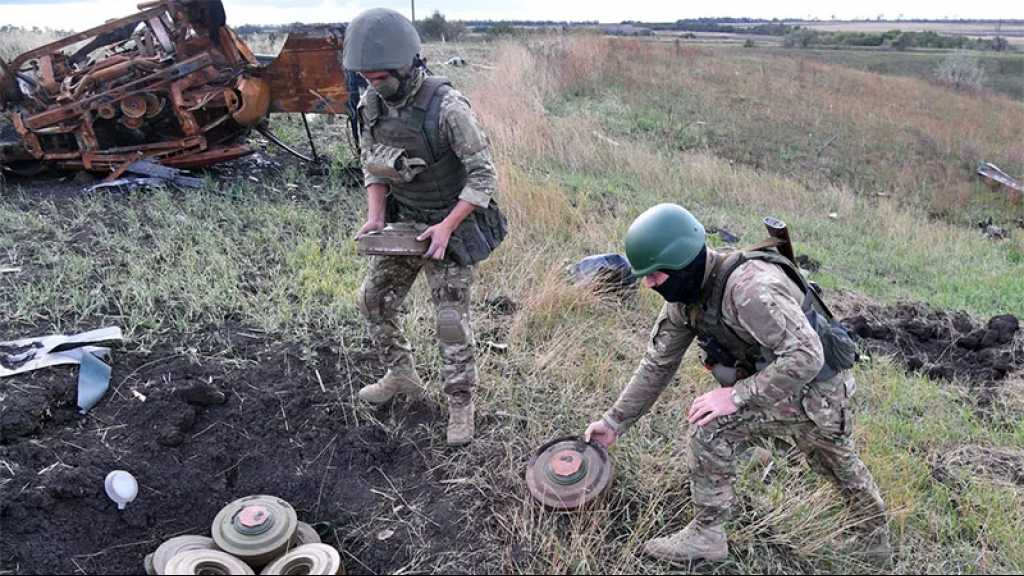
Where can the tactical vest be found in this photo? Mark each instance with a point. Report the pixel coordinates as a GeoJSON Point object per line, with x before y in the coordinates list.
{"type": "Point", "coordinates": [706, 318]}
{"type": "Point", "coordinates": [417, 132]}
{"type": "Point", "coordinates": [432, 194]}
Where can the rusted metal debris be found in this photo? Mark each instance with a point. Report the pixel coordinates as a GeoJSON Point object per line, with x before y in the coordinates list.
{"type": "Point", "coordinates": [171, 83]}
{"type": "Point", "coordinates": [996, 177]}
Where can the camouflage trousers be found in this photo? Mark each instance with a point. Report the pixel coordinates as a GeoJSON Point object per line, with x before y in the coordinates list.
{"type": "Point", "coordinates": [818, 418]}
{"type": "Point", "coordinates": [380, 299]}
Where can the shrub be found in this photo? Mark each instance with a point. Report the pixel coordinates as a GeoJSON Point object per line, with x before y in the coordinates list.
{"type": "Point", "coordinates": [962, 71]}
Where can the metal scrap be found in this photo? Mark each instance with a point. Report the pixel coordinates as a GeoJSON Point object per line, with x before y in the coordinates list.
{"type": "Point", "coordinates": [172, 83]}
{"type": "Point", "coordinates": [992, 174]}
{"type": "Point", "coordinates": [19, 356]}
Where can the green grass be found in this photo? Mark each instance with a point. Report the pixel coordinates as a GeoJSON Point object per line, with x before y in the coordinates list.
{"type": "Point", "coordinates": [1004, 72]}
{"type": "Point", "coordinates": [160, 261]}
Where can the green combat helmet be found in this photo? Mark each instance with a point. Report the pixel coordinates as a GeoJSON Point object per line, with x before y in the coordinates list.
{"type": "Point", "coordinates": [664, 237]}
{"type": "Point", "coordinates": [380, 39]}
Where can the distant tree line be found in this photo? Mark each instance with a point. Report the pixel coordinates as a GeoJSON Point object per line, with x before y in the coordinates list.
{"type": "Point", "coordinates": [437, 27]}
{"type": "Point", "coordinates": [8, 29]}
{"type": "Point", "coordinates": [723, 26]}
{"type": "Point", "coordinates": [247, 29]}
{"type": "Point", "coordinates": [896, 39]}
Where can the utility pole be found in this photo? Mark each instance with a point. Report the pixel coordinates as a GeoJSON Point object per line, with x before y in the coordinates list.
{"type": "Point", "coordinates": [413, 10]}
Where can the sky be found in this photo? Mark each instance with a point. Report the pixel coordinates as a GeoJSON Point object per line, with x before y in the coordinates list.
{"type": "Point", "coordinates": [79, 15]}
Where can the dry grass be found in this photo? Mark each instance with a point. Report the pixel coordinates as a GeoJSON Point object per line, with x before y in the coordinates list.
{"type": "Point", "coordinates": [571, 187]}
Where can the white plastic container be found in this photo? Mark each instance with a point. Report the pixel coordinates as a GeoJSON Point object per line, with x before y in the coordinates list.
{"type": "Point", "coordinates": [121, 487]}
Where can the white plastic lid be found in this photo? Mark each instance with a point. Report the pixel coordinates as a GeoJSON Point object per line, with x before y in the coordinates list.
{"type": "Point", "coordinates": [121, 487]}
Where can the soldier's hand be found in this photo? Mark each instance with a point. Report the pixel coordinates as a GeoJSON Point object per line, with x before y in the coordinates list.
{"type": "Point", "coordinates": [601, 433]}
{"type": "Point", "coordinates": [370, 226]}
{"type": "Point", "coordinates": [716, 403]}
{"type": "Point", "coordinates": [439, 235]}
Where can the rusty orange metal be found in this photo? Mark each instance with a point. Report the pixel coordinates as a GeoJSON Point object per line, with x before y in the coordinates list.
{"type": "Point", "coordinates": [172, 82]}
{"type": "Point", "coordinates": [307, 75]}
{"type": "Point", "coordinates": [254, 101]}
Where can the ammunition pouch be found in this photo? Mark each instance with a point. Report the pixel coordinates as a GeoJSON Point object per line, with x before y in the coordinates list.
{"type": "Point", "coordinates": [472, 241]}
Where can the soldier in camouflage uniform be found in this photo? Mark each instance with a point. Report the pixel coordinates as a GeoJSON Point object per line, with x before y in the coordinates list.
{"type": "Point", "coordinates": [427, 161]}
{"type": "Point", "coordinates": [752, 314]}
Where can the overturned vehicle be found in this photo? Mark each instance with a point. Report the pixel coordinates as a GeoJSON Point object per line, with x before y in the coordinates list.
{"type": "Point", "coordinates": [172, 84]}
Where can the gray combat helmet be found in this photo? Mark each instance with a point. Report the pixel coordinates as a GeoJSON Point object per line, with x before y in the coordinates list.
{"type": "Point", "coordinates": [380, 39]}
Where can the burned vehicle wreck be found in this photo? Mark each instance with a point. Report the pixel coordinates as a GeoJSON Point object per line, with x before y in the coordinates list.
{"type": "Point", "coordinates": [172, 84]}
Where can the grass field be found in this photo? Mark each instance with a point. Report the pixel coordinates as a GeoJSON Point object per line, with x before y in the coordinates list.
{"type": "Point", "coordinates": [872, 172]}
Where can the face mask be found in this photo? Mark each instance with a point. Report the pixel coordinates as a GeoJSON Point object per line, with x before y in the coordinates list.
{"type": "Point", "coordinates": [683, 286]}
{"type": "Point", "coordinates": [391, 89]}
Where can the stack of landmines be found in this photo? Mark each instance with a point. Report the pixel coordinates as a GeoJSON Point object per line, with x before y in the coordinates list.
{"type": "Point", "coordinates": [252, 533]}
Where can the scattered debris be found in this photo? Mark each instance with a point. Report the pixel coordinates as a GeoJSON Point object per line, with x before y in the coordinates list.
{"type": "Point", "coordinates": [121, 487]}
{"type": "Point", "coordinates": [496, 347]}
{"type": "Point", "coordinates": [724, 234]}
{"type": "Point", "coordinates": [833, 215]}
{"type": "Point", "coordinates": [996, 177]}
{"type": "Point", "coordinates": [993, 232]}
{"type": "Point", "coordinates": [172, 82]}
{"type": "Point", "coordinates": [604, 274]}
{"type": "Point", "coordinates": [13, 270]}
{"type": "Point", "coordinates": [502, 305]}
{"type": "Point", "coordinates": [385, 534]}
{"type": "Point", "coordinates": [455, 61]}
{"type": "Point", "coordinates": [29, 354]}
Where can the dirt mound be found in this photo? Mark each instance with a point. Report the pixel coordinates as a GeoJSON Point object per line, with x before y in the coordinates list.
{"type": "Point", "coordinates": [199, 434]}
{"type": "Point", "coordinates": [942, 344]}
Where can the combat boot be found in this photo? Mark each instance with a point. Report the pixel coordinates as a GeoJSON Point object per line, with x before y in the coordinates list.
{"type": "Point", "coordinates": [460, 420]}
{"type": "Point", "coordinates": [396, 381]}
{"type": "Point", "coordinates": [695, 542]}
{"type": "Point", "coordinates": [872, 545]}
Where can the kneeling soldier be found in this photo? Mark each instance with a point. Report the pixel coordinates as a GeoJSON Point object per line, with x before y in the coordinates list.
{"type": "Point", "coordinates": [784, 366]}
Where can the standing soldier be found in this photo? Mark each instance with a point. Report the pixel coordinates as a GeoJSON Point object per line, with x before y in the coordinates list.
{"type": "Point", "coordinates": [425, 161]}
{"type": "Point", "coordinates": [784, 366]}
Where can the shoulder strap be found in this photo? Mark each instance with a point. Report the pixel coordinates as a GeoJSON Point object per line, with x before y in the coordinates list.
{"type": "Point", "coordinates": [426, 110]}
{"type": "Point", "coordinates": [812, 299]}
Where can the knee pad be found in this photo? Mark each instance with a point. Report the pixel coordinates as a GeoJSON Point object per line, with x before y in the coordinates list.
{"type": "Point", "coordinates": [450, 328]}
{"type": "Point", "coordinates": [369, 301]}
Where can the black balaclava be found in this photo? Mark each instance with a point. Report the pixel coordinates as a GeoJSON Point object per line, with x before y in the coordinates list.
{"type": "Point", "coordinates": [683, 285]}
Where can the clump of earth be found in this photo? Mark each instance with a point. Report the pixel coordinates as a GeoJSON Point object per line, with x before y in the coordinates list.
{"type": "Point", "coordinates": [942, 344]}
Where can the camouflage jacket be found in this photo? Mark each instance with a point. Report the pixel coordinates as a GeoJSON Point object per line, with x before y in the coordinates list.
{"type": "Point", "coordinates": [459, 128]}
{"type": "Point", "coordinates": [761, 304]}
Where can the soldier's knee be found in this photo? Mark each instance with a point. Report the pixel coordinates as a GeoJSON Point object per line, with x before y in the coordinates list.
{"type": "Point", "coordinates": [709, 447]}
{"type": "Point", "coordinates": [369, 301]}
{"type": "Point", "coordinates": [451, 326]}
